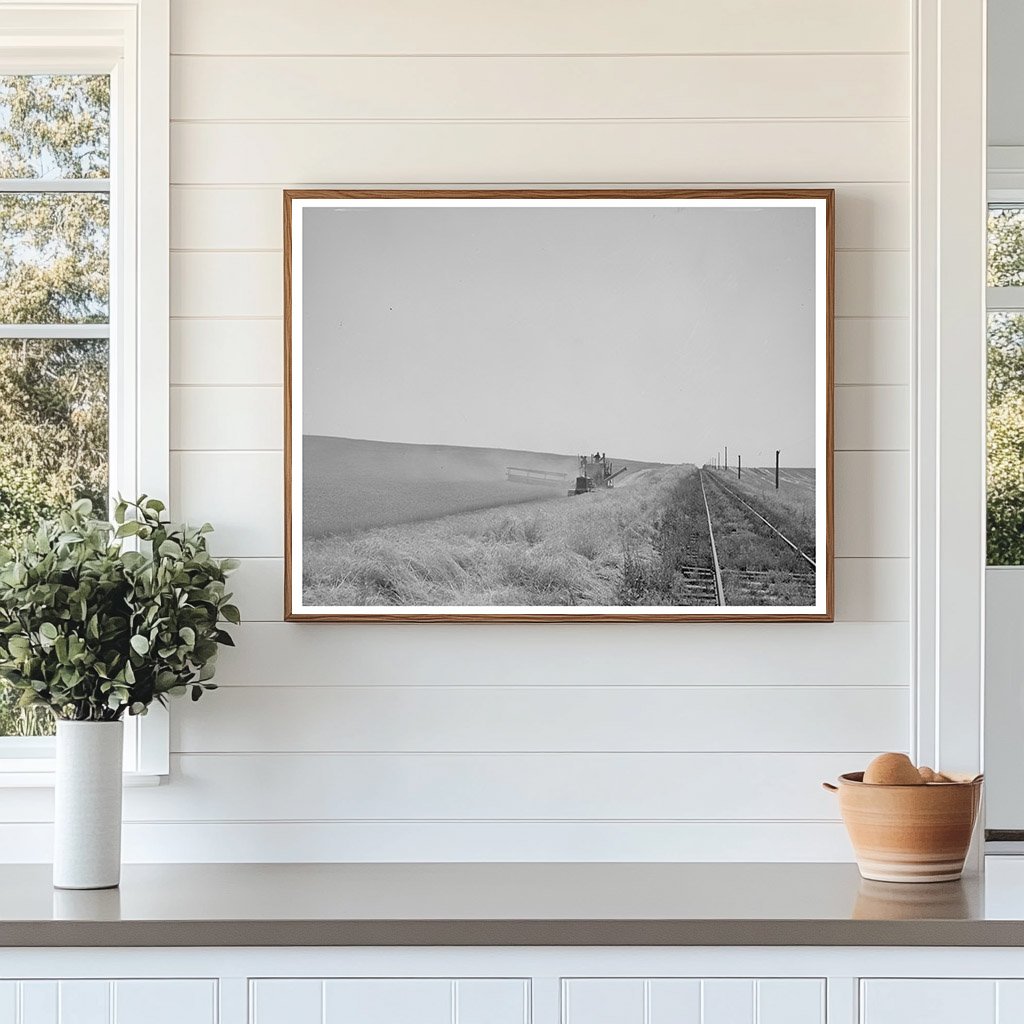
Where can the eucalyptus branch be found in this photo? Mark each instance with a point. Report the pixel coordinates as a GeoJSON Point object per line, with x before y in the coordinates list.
{"type": "Point", "coordinates": [91, 629]}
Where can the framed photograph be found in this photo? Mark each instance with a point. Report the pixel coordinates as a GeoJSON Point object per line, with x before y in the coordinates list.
{"type": "Point", "coordinates": [558, 405]}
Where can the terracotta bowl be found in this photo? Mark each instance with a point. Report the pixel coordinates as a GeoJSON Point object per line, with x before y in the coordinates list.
{"type": "Point", "coordinates": [909, 833]}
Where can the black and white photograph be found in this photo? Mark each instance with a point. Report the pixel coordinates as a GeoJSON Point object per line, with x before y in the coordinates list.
{"type": "Point", "coordinates": [511, 406]}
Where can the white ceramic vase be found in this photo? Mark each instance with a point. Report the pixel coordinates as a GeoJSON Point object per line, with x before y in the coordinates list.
{"type": "Point", "coordinates": [87, 809]}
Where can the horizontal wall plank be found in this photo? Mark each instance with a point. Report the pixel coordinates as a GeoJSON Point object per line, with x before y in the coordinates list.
{"type": "Point", "coordinates": [258, 586]}
{"type": "Point", "coordinates": [239, 418]}
{"type": "Point", "coordinates": [554, 718]}
{"type": "Point", "coordinates": [867, 589]}
{"type": "Point", "coordinates": [205, 284]}
{"type": "Point", "coordinates": [233, 284]}
{"type": "Point", "coordinates": [713, 654]}
{"type": "Point", "coordinates": [375, 787]}
{"type": "Point", "coordinates": [456, 842]}
{"type": "Point", "coordinates": [582, 151]}
{"type": "Point", "coordinates": [227, 352]}
{"type": "Point", "coordinates": [868, 216]}
{"type": "Point", "coordinates": [576, 26]}
{"type": "Point", "coordinates": [872, 350]}
{"type": "Point", "coordinates": [872, 589]}
{"type": "Point", "coordinates": [214, 417]}
{"type": "Point", "coordinates": [538, 88]}
{"type": "Point", "coordinates": [873, 284]}
{"type": "Point", "coordinates": [239, 492]}
{"type": "Point", "coordinates": [872, 504]}
{"type": "Point", "coordinates": [869, 350]}
{"type": "Point", "coordinates": [872, 418]}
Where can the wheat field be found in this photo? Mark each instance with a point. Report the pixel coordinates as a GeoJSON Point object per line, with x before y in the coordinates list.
{"type": "Point", "coordinates": [557, 551]}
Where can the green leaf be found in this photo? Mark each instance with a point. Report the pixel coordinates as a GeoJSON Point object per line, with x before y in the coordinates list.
{"type": "Point", "coordinates": [18, 646]}
{"type": "Point", "coordinates": [140, 644]}
{"type": "Point", "coordinates": [48, 631]}
{"type": "Point", "coordinates": [231, 613]}
{"type": "Point", "coordinates": [170, 549]}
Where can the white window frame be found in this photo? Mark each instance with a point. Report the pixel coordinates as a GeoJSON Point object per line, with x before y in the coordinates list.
{"type": "Point", "coordinates": [949, 394]}
{"type": "Point", "coordinates": [1005, 585]}
{"type": "Point", "coordinates": [130, 41]}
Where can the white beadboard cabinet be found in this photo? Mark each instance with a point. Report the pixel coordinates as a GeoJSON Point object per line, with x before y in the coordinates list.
{"type": "Point", "coordinates": [942, 1001]}
{"type": "Point", "coordinates": [513, 985]}
{"type": "Point", "coordinates": [102, 1001]}
{"type": "Point", "coordinates": [693, 1001]}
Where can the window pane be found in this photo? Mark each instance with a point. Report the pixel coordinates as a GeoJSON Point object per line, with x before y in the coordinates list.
{"type": "Point", "coordinates": [1005, 246]}
{"type": "Point", "coordinates": [54, 126]}
{"type": "Point", "coordinates": [1006, 439]}
{"type": "Point", "coordinates": [54, 257]}
{"type": "Point", "coordinates": [53, 449]}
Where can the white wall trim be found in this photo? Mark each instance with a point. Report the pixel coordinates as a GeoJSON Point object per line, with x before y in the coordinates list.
{"type": "Point", "coordinates": [131, 41]}
{"type": "Point", "coordinates": [949, 445]}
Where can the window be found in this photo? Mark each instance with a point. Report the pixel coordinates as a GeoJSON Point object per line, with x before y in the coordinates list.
{"type": "Point", "coordinates": [84, 124]}
{"type": "Point", "coordinates": [1005, 487]}
{"type": "Point", "coordinates": [54, 309]}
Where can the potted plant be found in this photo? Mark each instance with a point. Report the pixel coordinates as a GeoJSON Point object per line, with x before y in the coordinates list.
{"type": "Point", "coordinates": [93, 630]}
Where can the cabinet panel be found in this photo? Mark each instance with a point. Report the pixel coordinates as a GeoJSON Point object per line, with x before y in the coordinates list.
{"type": "Point", "coordinates": [935, 1001]}
{"type": "Point", "coordinates": [674, 1001]}
{"type": "Point", "coordinates": [727, 1002]}
{"type": "Point", "coordinates": [164, 1002]}
{"type": "Point", "coordinates": [84, 1002]}
{"type": "Point", "coordinates": [388, 1001]}
{"type": "Point", "coordinates": [8, 1002]}
{"type": "Point", "coordinates": [1010, 1002]}
{"type": "Point", "coordinates": [787, 1001]}
{"type": "Point", "coordinates": [38, 1003]}
{"type": "Point", "coordinates": [693, 1001]}
{"type": "Point", "coordinates": [286, 1001]}
{"type": "Point", "coordinates": [492, 1002]}
{"type": "Point", "coordinates": [100, 1001]}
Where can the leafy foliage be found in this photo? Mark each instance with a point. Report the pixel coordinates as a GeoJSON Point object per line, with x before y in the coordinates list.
{"type": "Point", "coordinates": [54, 126]}
{"type": "Point", "coordinates": [91, 630]}
{"type": "Point", "coordinates": [1005, 486]}
{"type": "Point", "coordinates": [53, 269]}
{"type": "Point", "coordinates": [53, 405]}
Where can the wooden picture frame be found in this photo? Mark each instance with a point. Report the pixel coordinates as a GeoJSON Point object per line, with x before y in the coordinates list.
{"type": "Point", "coordinates": [355, 470]}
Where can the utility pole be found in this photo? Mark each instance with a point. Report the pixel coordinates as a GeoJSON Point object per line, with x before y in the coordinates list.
{"type": "Point", "coordinates": [776, 469]}
{"type": "Point", "coordinates": [739, 467]}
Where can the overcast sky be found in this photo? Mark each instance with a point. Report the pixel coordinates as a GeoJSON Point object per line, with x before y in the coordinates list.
{"type": "Point", "coordinates": [652, 334]}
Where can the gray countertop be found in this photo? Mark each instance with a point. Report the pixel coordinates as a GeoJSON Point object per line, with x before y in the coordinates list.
{"type": "Point", "coordinates": [502, 905]}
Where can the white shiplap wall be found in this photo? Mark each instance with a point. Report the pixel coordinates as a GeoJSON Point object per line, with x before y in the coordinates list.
{"type": "Point", "coordinates": [688, 741]}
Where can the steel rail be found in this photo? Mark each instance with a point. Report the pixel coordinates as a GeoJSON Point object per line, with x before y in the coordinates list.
{"type": "Point", "coordinates": [753, 511]}
{"type": "Point", "coordinates": [719, 593]}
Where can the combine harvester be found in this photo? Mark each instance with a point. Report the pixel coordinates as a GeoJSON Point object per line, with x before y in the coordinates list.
{"type": "Point", "coordinates": [537, 477]}
{"type": "Point", "coordinates": [594, 471]}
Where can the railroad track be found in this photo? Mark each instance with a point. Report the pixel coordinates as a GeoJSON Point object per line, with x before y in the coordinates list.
{"type": "Point", "coordinates": [753, 581]}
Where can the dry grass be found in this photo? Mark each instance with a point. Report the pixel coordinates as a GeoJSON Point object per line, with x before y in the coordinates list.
{"type": "Point", "coordinates": [560, 551]}
{"type": "Point", "coordinates": [790, 509]}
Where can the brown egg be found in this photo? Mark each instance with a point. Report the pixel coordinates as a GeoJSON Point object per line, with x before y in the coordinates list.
{"type": "Point", "coordinates": [892, 770]}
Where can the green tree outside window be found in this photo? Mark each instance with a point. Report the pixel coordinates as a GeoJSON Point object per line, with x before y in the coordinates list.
{"type": "Point", "coordinates": [54, 271]}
